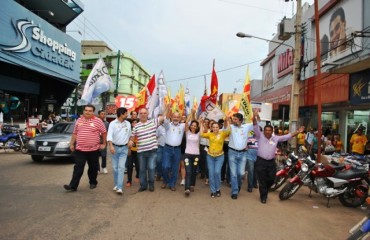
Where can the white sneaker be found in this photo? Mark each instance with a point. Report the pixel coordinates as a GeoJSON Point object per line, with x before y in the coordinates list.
{"type": "Point", "coordinates": [115, 188]}
{"type": "Point", "coordinates": [105, 171]}
{"type": "Point", "coordinates": [182, 182]}
{"type": "Point", "coordinates": [119, 191]}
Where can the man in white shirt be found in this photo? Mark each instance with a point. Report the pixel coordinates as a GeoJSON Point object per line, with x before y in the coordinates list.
{"type": "Point", "coordinates": [172, 149]}
{"type": "Point", "coordinates": [119, 133]}
{"type": "Point", "coordinates": [238, 141]}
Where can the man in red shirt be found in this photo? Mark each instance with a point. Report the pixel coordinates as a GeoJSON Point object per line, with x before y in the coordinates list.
{"type": "Point", "coordinates": [86, 135]}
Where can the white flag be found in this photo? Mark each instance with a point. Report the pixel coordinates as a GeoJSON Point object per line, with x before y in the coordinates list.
{"type": "Point", "coordinates": [99, 81]}
{"type": "Point", "coordinates": [187, 102]}
{"type": "Point", "coordinates": [153, 102]}
{"type": "Point", "coordinates": [162, 92]}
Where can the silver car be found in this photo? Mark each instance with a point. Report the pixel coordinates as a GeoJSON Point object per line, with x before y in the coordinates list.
{"type": "Point", "coordinates": [53, 143]}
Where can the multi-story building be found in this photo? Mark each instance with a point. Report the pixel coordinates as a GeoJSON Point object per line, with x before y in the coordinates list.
{"type": "Point", "coordinates": [344, 28]}
{"type": "Point", "coordinates": [128, 76]}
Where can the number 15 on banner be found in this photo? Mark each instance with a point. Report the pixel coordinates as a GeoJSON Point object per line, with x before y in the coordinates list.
{"type": "Point", "coordinates": [129, 102]}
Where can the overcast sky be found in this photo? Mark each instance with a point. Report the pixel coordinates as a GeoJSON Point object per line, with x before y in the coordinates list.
{"type": "Point", "coordinates": [182, 37]}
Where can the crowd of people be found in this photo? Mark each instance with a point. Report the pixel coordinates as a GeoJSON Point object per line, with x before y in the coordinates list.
{"type": "Point", "coordinates": [218, 151]}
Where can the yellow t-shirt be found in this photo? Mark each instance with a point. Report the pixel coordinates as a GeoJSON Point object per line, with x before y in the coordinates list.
{"type": "Point", "coordinates": [358, 143]}
{"type": "Point", "coordinates": [216, 142]}
{"type": "Point", "coordinates": [301, 138]}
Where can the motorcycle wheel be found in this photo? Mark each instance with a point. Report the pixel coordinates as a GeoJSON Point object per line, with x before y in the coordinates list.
{"type": "Point", "coordinates": [289, 190]}
{"type": "Point", "coordinates": [10, 144]}
{"type": "Point", "coordinates": [279, 181]}
{"type": "Point", "coordinates": [24, 149]}
{"type": "Point", "coordinates": [349, 199]}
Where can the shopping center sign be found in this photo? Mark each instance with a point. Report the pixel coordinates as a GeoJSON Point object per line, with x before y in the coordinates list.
{"type": "Point", "coordinates": [30, 41]}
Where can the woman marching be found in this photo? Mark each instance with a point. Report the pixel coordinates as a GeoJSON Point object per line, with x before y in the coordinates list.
{"type": "Point", "coordinates": [215, 156]}
{"type": "Point", "coordinates": [191, 152]}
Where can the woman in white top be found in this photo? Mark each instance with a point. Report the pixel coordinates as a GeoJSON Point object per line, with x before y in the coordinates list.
{"type": "Point", "coordinates": [191, 154]}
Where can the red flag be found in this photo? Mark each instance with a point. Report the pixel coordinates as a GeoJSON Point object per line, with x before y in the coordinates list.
{"type": "Point", "coordinates": [214, 85]}
{"type": "Point", "coordinates": [151, 85]}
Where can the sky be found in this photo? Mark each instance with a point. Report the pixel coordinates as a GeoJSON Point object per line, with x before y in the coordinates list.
{"type": "Point", "coordinates": [182, 37]}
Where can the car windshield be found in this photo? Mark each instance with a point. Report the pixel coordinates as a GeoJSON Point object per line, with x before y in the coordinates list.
{"type": "Point", "coordinates": [62, 128]}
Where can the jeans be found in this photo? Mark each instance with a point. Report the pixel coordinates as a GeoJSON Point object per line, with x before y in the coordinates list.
{"type": "Point", "coordinates": [251, 176]}
{"type": "Point", "coordinates": [147, 162]}
{"type": "Point", "coordinates": [118, 165]}
{"type": "Point", "coordinates": [191, 165]}
{"type": "Point", "coordinates": [171, 163]}
{"type": "Point", "coordinates": [214, 171]}
{"type": "Point", "coordinates": [160, 151]}
{"type": "Point", "coordinates": [92, 159]}
{"type": "Point", "coordinates": [237, 161]}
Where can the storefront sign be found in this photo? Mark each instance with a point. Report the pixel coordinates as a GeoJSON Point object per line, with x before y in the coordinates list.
{"type": "Point", "coordinates": [285, 62]}
{"type": "Point", "coordinates": [30, 41]}
{"type": "Point", "coordinates": [360, 87]}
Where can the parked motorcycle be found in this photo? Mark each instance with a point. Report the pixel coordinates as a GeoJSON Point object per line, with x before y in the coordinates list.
{"type": "Point", "coordinates": [14, 140]}
{"type": "Point", "coordinates": [289, 169]}
{"type": "Point", "coordinates": [362, 229]}
{"type": "Point", "coordinates": [331, 182]}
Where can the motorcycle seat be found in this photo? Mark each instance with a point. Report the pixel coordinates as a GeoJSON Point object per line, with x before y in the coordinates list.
{"type": "Point", "coordinates": [338, 167]}
{"type": "Point", "coordinates": [350, 173]}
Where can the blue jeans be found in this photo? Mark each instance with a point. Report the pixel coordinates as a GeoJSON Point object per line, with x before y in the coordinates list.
{"type": "Point", "coordinates": [214, 171]}
{"type": "Point", "coordinates": [118, 165]}
{"type": "Point", "coordinates": [171, 164]}
{"type": "Point", "coordinates": [147, 162]}
{"type": "Point", "coordinates": [237, 161]}
{"type": "Point", "coordinates": [160, 154]}
{"type": "Point", "coordinates": [251, 178]}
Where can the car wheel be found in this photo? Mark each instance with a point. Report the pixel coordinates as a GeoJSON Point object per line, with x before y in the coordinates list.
{"type": "Point", "coordinates": [37, 158]}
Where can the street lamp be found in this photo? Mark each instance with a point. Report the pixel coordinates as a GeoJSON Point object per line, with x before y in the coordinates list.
{"type": "Point", "coordinates": [244, 35]}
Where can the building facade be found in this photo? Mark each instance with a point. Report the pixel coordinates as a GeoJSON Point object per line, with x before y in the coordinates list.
{"type": "Point", "coordinates": [344, 28]}
{"type": "Point", "coordinates": [39, 62]}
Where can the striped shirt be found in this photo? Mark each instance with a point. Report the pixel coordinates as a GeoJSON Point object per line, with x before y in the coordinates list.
{"type": "Point", "coordinates": [146, 136]}
{"type": "Point", "coordinates": [88, 133]}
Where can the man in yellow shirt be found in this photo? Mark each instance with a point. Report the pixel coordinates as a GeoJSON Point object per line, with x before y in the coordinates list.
{"type": "Point", "coordinates": [358, 142]}
{"type": "Point", "coordinates": [301, 139]}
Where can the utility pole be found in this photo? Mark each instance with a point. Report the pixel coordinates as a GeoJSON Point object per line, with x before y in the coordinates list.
{"type": "Point", "coordinates": [294, 100]}
{"type": "Point", "coordinates": [117, 75]}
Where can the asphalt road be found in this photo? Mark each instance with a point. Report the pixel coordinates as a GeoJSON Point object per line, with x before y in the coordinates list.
{"type": "Point", "coordinates": [34, 205]}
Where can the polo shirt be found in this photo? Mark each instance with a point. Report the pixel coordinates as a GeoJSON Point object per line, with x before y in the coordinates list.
{"type": "Point", "coordinates": [88, 133]}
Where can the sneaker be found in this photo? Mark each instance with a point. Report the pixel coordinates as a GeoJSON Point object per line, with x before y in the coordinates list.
{"type": "Point", "coordinates": [218, 193]}
{"type": "Point", "coordinates": [115, 188]}
{"type": "Point", "coordinates": [119, 191]}
{"type": "Point", "coordinates": [105, 171]}
{"type": "Point", "coordinates": [92, 186]}
{"type": "Point", "coordinates": [187, 192]}
{"type": "Point", "coordinates": [213, 195]}
{"type": "Point", "coordinates": [128, 184]}
{"type": "Point", "coordinates": [182, 182]}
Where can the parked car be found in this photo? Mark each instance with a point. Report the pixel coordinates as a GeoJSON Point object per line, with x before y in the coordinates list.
{"type": "Point", "coordinates": [53, 143]}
